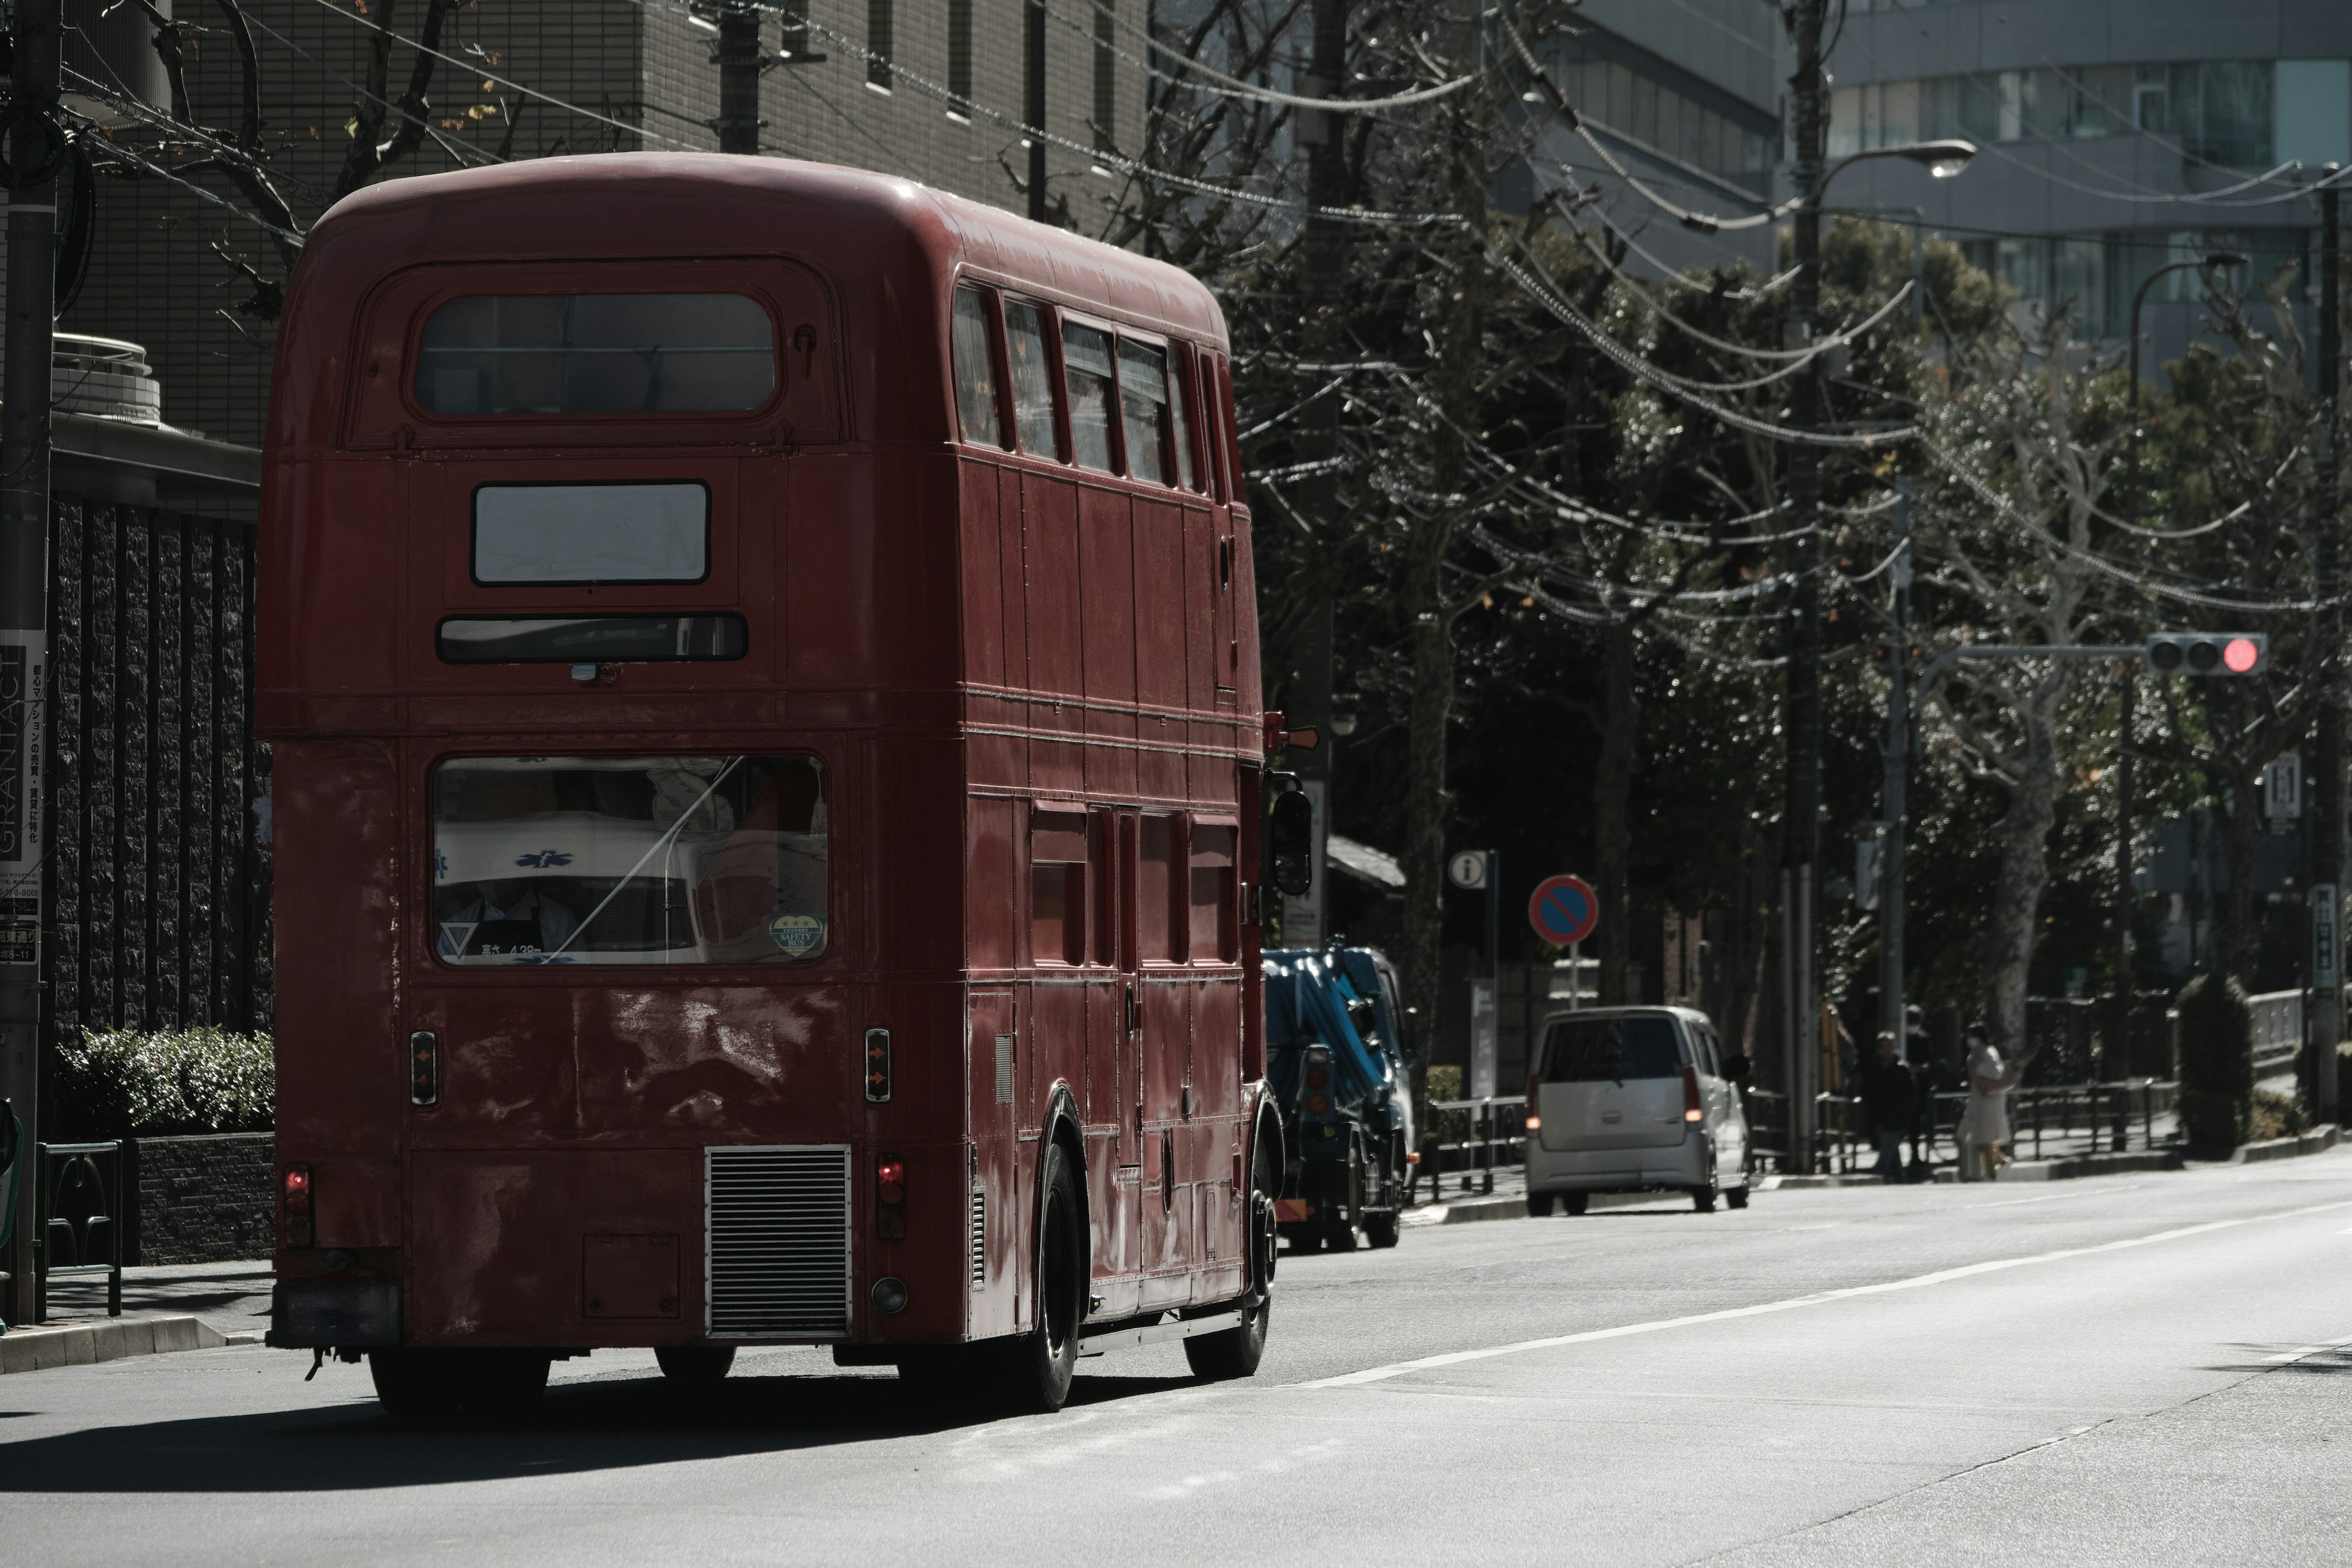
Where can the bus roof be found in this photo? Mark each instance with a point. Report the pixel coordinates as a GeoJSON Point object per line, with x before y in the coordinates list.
{"type": "Point", "coordinates": [882, 242]}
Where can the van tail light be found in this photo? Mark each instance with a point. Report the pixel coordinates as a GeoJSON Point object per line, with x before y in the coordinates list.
{"type": "Point", "coordinates": [1535, 1082]}
{"type": "Point", "coordinates": [890, 1198]}
{"type": "Point", "coordinates": [294, 1188]}
{"type": "Point", "coordinates": [1694, 1109]}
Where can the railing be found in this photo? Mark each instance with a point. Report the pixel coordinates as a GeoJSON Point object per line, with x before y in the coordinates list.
{"type": "Point", "coordinates": [81, 1219]}
{"type": "Point", "coordinates": [1488, 1130]}
{"type": "Point", "coordinates": [2113, 1117]}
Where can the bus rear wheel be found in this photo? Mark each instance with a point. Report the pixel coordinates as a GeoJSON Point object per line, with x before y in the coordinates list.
{"type": "Point", "coordinates": [1035, 1370]}
{"type": "Point", "coordinates": [695, 1364]}
{"type": "Point", "coordinates": [1236, 1353]}
{"type": "Point", "coordinates": [417, 1385]}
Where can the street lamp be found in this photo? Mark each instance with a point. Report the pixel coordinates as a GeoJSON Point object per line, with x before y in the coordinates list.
{"type": "Point", "coordinates": [1801, 813]}
{"type": "Point", "coordinates": [2216, 261]}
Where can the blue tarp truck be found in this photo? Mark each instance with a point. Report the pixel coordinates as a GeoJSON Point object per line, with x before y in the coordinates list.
{"type": "Point", "coordinates": [1338, 1063]}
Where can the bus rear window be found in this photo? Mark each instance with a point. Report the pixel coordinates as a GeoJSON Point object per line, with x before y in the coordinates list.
{"type": "Point", "coordinates": [589, 640]}
{"type": "Point", "coordinates": [662, 860]}
{"type": "Point", "coordinates": [1594, 1050]}
{"type": "Point", "coordinates": [597, 354]}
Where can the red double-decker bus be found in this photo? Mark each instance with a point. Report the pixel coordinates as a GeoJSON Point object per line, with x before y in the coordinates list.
{"type": "Point", "coordinates": [762, 681]}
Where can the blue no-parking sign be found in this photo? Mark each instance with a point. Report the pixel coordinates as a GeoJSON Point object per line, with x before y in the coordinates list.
{"type": "Point", "coordinates": [1564, 910]}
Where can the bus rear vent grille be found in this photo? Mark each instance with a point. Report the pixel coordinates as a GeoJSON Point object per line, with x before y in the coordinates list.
{"type": "Point", "coordinates": [778, 1248]}
{"type": "Point", "coordinates": [979, 1239]}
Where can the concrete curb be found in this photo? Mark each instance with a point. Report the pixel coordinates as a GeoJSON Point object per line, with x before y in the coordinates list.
{"type": "Point", "coordinates": [1468, 1211]}
{"type": "Point", "coordinates": [36, 1347]}
{"type": "Point", "coordinates": [2318, 1140]}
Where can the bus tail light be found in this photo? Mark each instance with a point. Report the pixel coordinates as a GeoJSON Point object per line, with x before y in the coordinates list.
{"type": "Point", "coordinates": [294, 1186]}
{"type": "Point", "coordinates": [1694, 1110]}
{"type": "Point", "coordinates": [423, 1068]}
{"type": "Point", "coordinates": [890, 1198]}
{"type": "Point", "coordinates": [877, 1066]}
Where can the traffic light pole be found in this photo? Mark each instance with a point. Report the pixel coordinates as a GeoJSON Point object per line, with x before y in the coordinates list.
{"type": "Point", "coordinates": [38, 142]}
{"type": "Point", "coordinates": [1896, 777]}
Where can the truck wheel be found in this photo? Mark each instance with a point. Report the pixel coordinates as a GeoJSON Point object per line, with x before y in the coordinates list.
{"type": "Point", "coordinates": [1380, 1230]}
{"type": "Point", "coordinates": [1236, 1353]}
{"type": "Point", "coordinates": [1036, 1369]}
{"type": "Point", "coordinates": [1341, 1240]}
{"type": "Point", "coordinates": [695, 1364]}
{"type": "Point", "coordinates": [1540, 1203]}
{"type": "Point", "coordinates": [413, 1385]}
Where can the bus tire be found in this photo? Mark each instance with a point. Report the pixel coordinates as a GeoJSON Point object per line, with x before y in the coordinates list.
{"type": "Point", "coordinates": [1036, 1369]}
{"type": "Point", "coordinates": [1380, 1230]}
{"type": "Point", "coordinates": [416, 1384]}
{"type": "Point", "coordinates": [1236, 1353]}
{"type": "Point", "coordinates": [695, 1364]}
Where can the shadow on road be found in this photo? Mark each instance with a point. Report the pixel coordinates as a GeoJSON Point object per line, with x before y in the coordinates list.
{"type": "Point", "coordinates": [2265, 1358]}
{"type": "Point", "coordinates": [579, 1428]}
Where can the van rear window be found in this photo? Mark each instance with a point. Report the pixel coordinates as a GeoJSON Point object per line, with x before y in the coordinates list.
{"type": "Point", "coordinates": [1597, 1050]}
{"type": "Point", "coordinates": [597, 354]}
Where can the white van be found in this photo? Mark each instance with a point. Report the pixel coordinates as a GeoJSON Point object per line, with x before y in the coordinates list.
{"type": "Point", "coordinates": [1623, 1099]}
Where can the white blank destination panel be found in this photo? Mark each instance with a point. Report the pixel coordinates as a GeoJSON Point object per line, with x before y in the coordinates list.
{"type": "Point", "coordinates": [592, 533]}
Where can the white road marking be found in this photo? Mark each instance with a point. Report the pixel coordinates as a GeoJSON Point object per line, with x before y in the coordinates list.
{"type": "Point", "coordinates": [2053, 1197]}
{"type": "Point", "coordinates": [2310, 1350]}
{"type": "Point", "coordinates": [1941, 1276]}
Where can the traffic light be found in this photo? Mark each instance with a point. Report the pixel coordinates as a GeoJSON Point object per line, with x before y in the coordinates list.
{"type": "Point", "coordinates": [2208, 653]}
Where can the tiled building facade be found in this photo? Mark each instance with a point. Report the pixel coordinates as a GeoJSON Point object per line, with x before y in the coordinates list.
{"type": "Point", "coordinates": [610, 76]}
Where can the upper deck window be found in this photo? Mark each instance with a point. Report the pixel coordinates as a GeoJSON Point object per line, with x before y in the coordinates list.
{"type": "Point", "coordinates": [598, 354]}
{"type": "Point", "coordinates": [1033, 379]}
{"type": "Point", "coordinates": [1094, 413]}
{"type": "Point", "coordinates": [975, 371]}
{"type": "Point", "coordinates": [1143, 398]}
{"type": "Point", "coordinates": [1179, 404]}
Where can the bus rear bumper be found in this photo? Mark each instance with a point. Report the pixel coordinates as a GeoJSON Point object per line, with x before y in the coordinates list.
{"type": "Point", "coordinates": [334, 1314]}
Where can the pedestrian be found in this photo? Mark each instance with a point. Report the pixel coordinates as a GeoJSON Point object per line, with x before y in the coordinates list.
{"type": "Point", "coordinates": [1889, 1095]}
{"type": "Point", "coordinates": [1985, 1127]}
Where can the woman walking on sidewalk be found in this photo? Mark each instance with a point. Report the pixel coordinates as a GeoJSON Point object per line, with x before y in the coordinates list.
{"type": "Point", "coordinates": [1985, 1127]}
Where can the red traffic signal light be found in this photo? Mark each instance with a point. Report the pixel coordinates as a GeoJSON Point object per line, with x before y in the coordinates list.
{"type": "Point", "coordinates": [2208, 653]}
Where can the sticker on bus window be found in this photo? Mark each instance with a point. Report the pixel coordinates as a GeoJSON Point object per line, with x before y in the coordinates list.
{"type": "Point", "coordinates": [797, 935]}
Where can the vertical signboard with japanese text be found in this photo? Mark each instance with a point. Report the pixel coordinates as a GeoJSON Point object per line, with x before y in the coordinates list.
{"type": "Point", "coordinates": [24, 678]}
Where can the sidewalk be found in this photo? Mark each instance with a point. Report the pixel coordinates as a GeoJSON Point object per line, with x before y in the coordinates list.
{"type": "Point", "coordinates": [229, 1297]}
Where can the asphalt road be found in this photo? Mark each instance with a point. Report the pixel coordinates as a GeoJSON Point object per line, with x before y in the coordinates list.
{"type": "Point", "coordinates": [2131, 1369]}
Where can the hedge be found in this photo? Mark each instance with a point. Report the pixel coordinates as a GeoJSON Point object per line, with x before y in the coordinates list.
{"type": "Point", "coordinates": [116, 1083]}
{"type": "Point", "coordinates": [2217, 1062]}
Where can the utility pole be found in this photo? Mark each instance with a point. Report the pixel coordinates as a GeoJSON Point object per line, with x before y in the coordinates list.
{"type": "Point", "coordinates": [2328, 783]}
{"type": "Point", "coordinates": [35, 151]}
{"type": "Point", "coordinates": [1033, 102]}
{"type": "Point", "coordinates": [1802, 727]}
{"type": "Point", "coordinates": [1320, 298]}
{"type": "Point", "coordinates": [2121, 1035]}
{"type": "Point", "coordinates": [737, 55]}
{"type": "Point", "coordinates": [1895, 805]}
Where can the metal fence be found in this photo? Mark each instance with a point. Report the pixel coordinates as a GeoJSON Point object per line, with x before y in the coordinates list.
{"type": "Point", "coordinates": [1473, 1137]}
{"type": "Point", "coordinates": [157, 888]}
{"type": "Point", "coordinates": [2044, 1120]}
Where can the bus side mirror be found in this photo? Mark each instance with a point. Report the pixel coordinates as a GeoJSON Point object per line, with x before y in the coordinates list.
{"type": "Point", "coordinates": [1290, 843]}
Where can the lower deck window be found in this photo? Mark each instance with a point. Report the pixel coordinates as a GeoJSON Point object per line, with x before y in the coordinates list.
{"type": "Point", "coordinates": [666, 860]}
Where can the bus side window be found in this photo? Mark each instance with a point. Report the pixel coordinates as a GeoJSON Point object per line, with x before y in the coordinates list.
{"type": "Point", "coordinates": [1144, 400]}
{"type": "Point", "coordinates": [1221, 423]}
{"type": "Point", "coordinates": [1032, 380]}
{"type": "Point", "coordinates": [1157, 932]}
{"type": "Point", "coordinates": [978, 405]}
{"type": "Point", "coordinates": [1094, 406]}
{"type": "Point", "coordinates": [1057, 888]}
{"type": "Point", "coordinates": [1179, 406]}
{"type": "Point", "coordinates": [1213, 917]}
